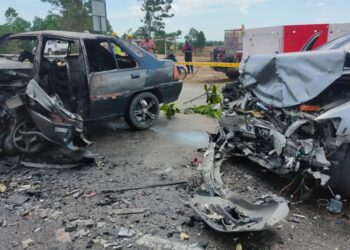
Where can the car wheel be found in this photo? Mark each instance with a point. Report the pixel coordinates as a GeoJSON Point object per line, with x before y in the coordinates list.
{"type": "Point", "coordinates": [25, 139]}
{"type": "Point", "coordinates": [340, 173]}
{"type": "Point", "coordinates": [143, 111]}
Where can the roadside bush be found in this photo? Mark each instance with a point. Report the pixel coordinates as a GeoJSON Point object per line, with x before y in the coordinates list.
{"type": "Point", "coordinates": [170, 110]}
{"type": "Point", "coordinates": [213, 107]}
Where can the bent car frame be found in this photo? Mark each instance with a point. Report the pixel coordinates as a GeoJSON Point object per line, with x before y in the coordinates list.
{"type": "Point", "coordinates": [289, 113]}
{"type": "Point", "coordinates": [86, 81]}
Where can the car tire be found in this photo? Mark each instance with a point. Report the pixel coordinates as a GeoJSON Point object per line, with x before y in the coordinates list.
{"type": "Point", "coordinates": [340, 172]}
{"type": "Point", "coordinates": [12, 146]}
{"type": "Point", "coordinates": [143, 111]}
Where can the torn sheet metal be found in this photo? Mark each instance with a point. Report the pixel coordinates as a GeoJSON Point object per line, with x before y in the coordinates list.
{"type": "Point", "coordinates": [223, 210]}
{"type": "Point", "coordinates": [237, 215]}
{"type": "Point", "coordinates": [61, 126]}
{"type": "Point", "coordinates": [285, 80]}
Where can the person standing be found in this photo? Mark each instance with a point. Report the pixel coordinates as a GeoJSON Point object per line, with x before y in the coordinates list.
{"type": "Point", "coordinates": [187, 49]}
{"type": "Point", "coordinates": [148, 45]}
{"type": "Point", "coordinates": [117, 49]}
{"type": "Point", "coordinates": [130, 39]}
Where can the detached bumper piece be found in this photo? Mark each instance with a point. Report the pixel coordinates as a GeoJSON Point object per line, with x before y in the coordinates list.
{"type": "Point", "coordinates": [223, 210]}
{"type": "Point", "coordinates": [237, 215]}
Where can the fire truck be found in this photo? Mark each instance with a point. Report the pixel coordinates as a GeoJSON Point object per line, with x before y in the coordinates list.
{"type": "Point", "coordinates": [241, 43]}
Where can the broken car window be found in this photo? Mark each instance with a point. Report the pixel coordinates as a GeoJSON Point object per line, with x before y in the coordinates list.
{"type": "Point", "coordinates": [100, 55]}
{"type": "Point", "coordinates": [56, 47]}
{"type": "Point", "coordinates": [123, 58]}
{"type": "Point", "coordinates": [62, 73]}
{"type": "Point", "coordinates": [19, 49]}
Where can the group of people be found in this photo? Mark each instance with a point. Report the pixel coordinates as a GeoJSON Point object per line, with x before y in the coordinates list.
{"type": "Point", "coordinates": [149, 45]}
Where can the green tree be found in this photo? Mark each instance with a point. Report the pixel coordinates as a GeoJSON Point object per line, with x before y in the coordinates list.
{"type": "Point", "coordinates": [14, 23]}
{"type": "Point", "coordinates": [109, 27]}
{"type": "Point", "coordinates": [10, 15]}
{"type": "Point", "coordinates": [192, 35]}
{"type": "Point", "coordinates": [160, 43]}
{"type": "Point", "coordinates": [38, 24]}
{"type": "Point", "coordinates": [196, 38]}
{"type": "Point", "coordinates": [20, 25]}
{"type": "Point", "coordinates": [74, 15]}
{"type": "Point", "coordinates": [200, 40]}
{"type": "Point", "coordinates": [155, 13]}
{"type": "Point", "coordinates": [51, 22]}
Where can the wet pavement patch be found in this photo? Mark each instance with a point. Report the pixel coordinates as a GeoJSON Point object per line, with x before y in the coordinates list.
{"type": "Point", "coordinates": [188, 138]}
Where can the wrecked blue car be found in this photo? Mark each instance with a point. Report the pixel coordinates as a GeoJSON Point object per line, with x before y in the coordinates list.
{"type": "Point", "coordinates": [48, 94]}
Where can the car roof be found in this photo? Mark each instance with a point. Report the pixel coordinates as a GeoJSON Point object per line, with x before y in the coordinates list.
{"type": "Point", "coordinates": [65, 34]}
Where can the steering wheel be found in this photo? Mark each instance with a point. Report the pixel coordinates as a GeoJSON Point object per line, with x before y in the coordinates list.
{"type": "Point", "coordinates": [26, 55]}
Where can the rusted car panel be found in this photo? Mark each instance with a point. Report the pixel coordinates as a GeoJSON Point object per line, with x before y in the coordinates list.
{"type": "Point", "coordinates": [106, 84]}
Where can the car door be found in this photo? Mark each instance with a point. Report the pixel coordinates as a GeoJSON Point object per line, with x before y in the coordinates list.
{"type": "Point", "coordinates": [110, 88]}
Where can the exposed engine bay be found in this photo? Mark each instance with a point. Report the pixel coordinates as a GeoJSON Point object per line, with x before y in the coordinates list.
{"type": "Point", "coordinates": [30, 118]}
{"type": "Point", "coordinates": [304, 130]}
{"type": "Point", "coordinates": [289, 114]}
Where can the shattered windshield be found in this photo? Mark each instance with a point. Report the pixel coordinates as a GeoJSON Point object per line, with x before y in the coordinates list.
{"type": "Point", "coordinates": [342, 43]}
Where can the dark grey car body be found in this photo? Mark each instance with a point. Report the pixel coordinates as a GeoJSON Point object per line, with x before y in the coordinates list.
{"type": "Point", "coordinates": [89, 81]}
{"type": "Point", "coordinates": [107, 93]}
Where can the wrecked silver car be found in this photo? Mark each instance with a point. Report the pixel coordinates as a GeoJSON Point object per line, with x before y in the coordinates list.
{"type": "Point", "coordinates": [290, 113]}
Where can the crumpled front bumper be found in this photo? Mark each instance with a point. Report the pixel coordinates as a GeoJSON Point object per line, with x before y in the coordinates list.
{"type": "Point", "coordinates": [55, 123]}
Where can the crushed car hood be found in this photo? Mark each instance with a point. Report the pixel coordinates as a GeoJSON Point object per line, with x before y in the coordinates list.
{"type": "Point", "coordinates": [286, 80]}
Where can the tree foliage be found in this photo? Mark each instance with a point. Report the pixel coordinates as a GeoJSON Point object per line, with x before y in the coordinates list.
{"type": "Point", "coordinates": [74, 15]}
{"type": "Point", "coordinates": [197, 38]}
{"type": "Point", "coordinates": [155, 12]}
{"type": "Point", "coordinates": [69, 15]}
{"type": "Point", "coordinates": [50, 22]}
{"type": "Point", "coordinates": [10, 15]}
{"type": "Point", "coordinates": [14, 23]}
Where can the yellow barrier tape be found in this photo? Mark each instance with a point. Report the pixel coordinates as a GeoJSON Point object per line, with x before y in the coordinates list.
{"type": "Point", "coordinates": [211, 64]}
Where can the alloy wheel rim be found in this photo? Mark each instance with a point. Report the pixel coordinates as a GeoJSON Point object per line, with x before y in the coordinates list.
{"type": "Point", "coordinates": [23, 142]}
{"type": "Point", "coordinates": [146, 110]}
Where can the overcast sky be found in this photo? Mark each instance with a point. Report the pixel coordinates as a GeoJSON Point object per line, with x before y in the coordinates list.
{"type": "Point", "coordinates": [210, 16]}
